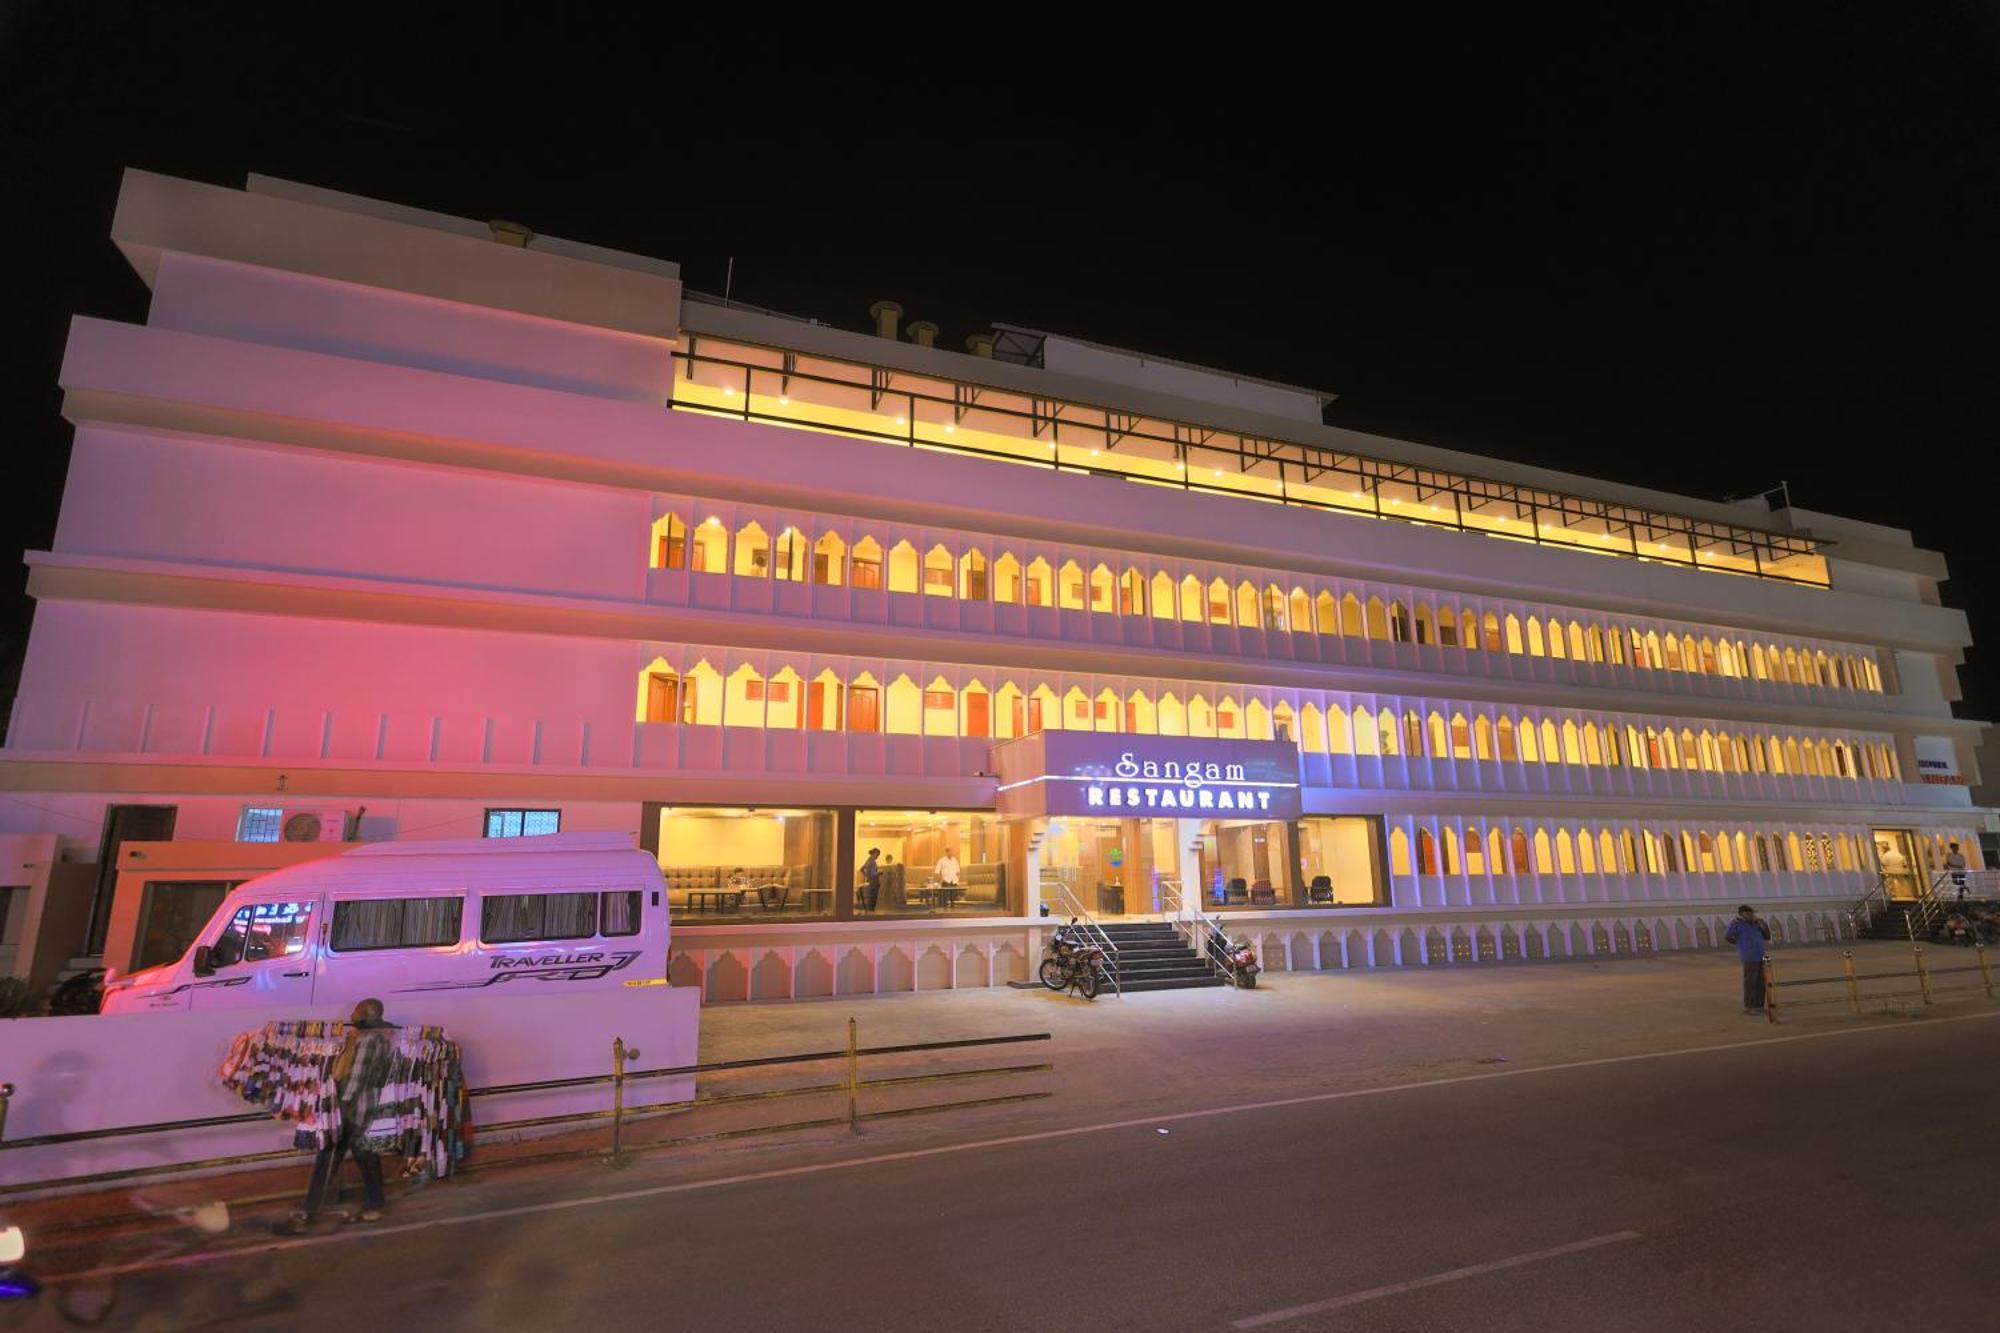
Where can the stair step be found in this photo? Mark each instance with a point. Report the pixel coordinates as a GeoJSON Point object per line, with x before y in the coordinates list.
{"type": "Point", "coordinates": [1177, 983]}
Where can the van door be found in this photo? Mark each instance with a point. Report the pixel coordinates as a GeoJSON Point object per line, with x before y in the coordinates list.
{"type": "Point", "coordinates": [262, 957]}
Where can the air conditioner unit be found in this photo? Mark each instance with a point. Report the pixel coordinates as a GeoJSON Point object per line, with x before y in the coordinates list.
{"type": "Point", "coordinates": [314, 826]}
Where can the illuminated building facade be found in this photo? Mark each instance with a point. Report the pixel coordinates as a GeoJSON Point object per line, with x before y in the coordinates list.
{"type": "Point", "coordinates": [415, 526]}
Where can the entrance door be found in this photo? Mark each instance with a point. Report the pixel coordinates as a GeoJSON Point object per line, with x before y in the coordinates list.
{"type": "Point", "coordinates": [1901, 863]}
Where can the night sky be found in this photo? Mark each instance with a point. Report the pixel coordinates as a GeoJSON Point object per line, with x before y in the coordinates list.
{"type": "Point", "coordinates": [1707, 249]}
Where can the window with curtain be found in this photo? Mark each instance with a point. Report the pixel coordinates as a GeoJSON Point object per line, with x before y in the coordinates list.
{"type": "Point", "coordinates": [396, 923]}
{"type": "Point", "coordinates": [507, 918]}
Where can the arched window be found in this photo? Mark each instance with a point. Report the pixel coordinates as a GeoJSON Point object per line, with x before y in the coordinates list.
{"type": "Point", "coordinates": [1327, 613]}
{"type": "Point", "coordinates": [670, 537]}
{"type": "Point", "coordinates": [865, 564]}
{"type": "Point", "coordinates": [975, 711]}
{"type": "Point", "coordinates": [1246, 606]}
{"type": "Point", "coordinates": [940, 707]}
{"type": "Point", "coordinates": [1447, 627]}
{"type": "Point", "coordinates": [1399, 852]}
{"type": "Point", "coordinates": [1132, 593]}
{"type": "Point", "coordinates": [1517, 849]}
{"type": "Point", "coordinates": [1163, 596]}
{"type": "Point", "coordinates": [1550, 753]}
{"type": "Point", "coordinates": [1440, 747]}
{"type": "Point", "coordinates": [1228, 718]}
{"type": "Point", "coordinates": [701, 695]}
{"type": "Point", "coordinates": [1366, 737]}
{"type": "Point", "coordinates": [1274, 609]}
{"type": "Point", "coordinates": [905, 714]}
{"type": "Point", "coordinates": [1200, 716]}
{"type": "Point", "coordinates": [1302, 612]}
{"type": "Point", "coordinates": [1077, 712]}
{"type": "Point", "coordinates": [1071, 592]}
{"type": "Point", "coordinates": [1218, 602]}
{"type": "Point", "coordinates": [1514, 636]}
{"type": "Point", "coordinates": [1535, 638]}
{"type": "Point", "coordinates": [823, 700]}
{"type": "Point", "coordinates": [1284, 726]}
{"type": "Point", "coordinates": [1426, 626]}
{"type": "Point", "coordinates": [1399, 623]}
{"type": "Point", "coordinates": [1140, 716]}
{"type": "Point", "coordinates": [1173, 716]}
{"type": "Point", "coordinates": [1482, 736]}
{"type": "Point", "coordinates": [1008, 585]}
{"type": "Point", "coordinates": [1556, 646]}
{"type": "Point", "coordinates": [1572, 750]}
{"type": "Point", "coordinates": [1103, 590]}
{"type": "Point", "coordinates": [973, 585]}
{"type": "Point", "coordinates": [660, 699]}
{"type": "Point", "coordinates": [1339, 739]}
{"type": "Point", "coordinates": [1044, 710]}
{"type": "Point", "coordinates": [1385, 730]}
{"type": "Point", "coordinates": [784, 702]}
{"type": "Point", "coordinates": [1452, 864]}
{"type": "Point", "coordinates": [753, 552]}
{"type": "Point", "coordinates": [1191, 599]}
{"type": "Point", "coordinates": [1010, 711]}
{"type": "Point", "coordinates": [710, 554]}
{"type": "Point", "coordinates": [1565, 852]}
{"type": "Point", "coordinates": [1351, 623]}
{"type": "Point", "coordinates": [1378, 619]}
{"type": "Point", "coordinates": [938, 579]}
{"type": "Point", "coordinates": [1615, 642]}
{"type": "Point", "coordinates": [1505, 734]}
{"type": "Point", "coordinates": [1108, 714]}
{"type": "Point", "coordinates": [829, 561]}
{"type": "Point", "coordinates": [744, 706]}
{"type": "Point", "coordinates": [1312, 728]}
{"type": "Point", "coordinates": [1413, 735]}
{"type": "Point", "coordinates": [1426, 852]}
{"type": "Point", "coordinates": [792, 557]}
{"type": "Point", "coordinates": [1035, 583]}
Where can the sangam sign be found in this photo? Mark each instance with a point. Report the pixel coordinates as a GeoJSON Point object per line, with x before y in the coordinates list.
{"type": "Point", "coordinates": [1085, 773]}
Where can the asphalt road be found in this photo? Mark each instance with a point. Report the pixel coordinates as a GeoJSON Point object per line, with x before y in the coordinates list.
{"type": "Point", "coordinates": [1819, 1183]}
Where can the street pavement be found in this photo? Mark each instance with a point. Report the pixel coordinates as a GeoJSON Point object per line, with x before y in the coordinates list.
{"type": "Point", "coordinates": [1830, 1173]}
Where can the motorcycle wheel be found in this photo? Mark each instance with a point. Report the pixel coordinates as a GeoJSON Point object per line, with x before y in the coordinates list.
{"type": "Point", "coordinates": [1086, 984]}
{"type": "Point", "coordinates": [1052, 974]}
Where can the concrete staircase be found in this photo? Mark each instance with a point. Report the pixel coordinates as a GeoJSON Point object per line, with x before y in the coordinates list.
{"type": "Point", "coordinates": [1154, 956]}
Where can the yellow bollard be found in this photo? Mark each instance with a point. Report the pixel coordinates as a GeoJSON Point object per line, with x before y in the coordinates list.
{"type": "Point", "coordinates": [1978, 946]}
{"type": "Point", "coordinates": [853, 1079]}
{"type": "Point", "coordinates": [1923, 974]}
{"type": "Point", "coordinates": [1770, 992]}
{"type": "Point", "coordinates": [1853, 987]}
{"type": "Point", "coordinates": [7, 1095]}
{"type": "Point", "coordinates": [619, 1055]}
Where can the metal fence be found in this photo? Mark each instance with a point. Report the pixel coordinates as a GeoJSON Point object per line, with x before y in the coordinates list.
{"type": "Point", "coordinates": [850, 1085]}
{"type": "Point", "coordinates": [1856, 989]}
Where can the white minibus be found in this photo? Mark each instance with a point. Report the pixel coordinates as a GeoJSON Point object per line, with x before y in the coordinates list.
{"type": "Point", "coordinates": [499, 916]}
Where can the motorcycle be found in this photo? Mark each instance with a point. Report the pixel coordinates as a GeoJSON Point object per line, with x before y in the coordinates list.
{"type": "Point", "coordinates": [1238, 956]}
{"type": "Point", "coordinates": [1071, 962]}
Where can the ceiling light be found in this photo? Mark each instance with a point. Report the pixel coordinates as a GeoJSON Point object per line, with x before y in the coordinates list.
{"type": "Point", "coordinates": [728, 392]}
{"type": "Point", "coordinates": [784, 400]}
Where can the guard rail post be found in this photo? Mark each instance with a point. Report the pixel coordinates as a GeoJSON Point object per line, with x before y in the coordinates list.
{"type": "Point", "coordinates": [1853, 986]}
{"type": "Point", "coordinates": [619, 1055]}
{"type": "Point", "coordinates": [1923, 974]}
{"type": "Point", "coordinates": [853, 1077]}
{"type": "Point", "coordinates": [1770, 991]}
{"type": "Point", "coordinates": [1978, 947]}
{"type": "Point", "coordinates": [7, 1095]}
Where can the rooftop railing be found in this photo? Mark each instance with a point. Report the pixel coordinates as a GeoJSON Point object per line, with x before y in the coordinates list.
{"type": "Point", "coordinates": [779, 387]}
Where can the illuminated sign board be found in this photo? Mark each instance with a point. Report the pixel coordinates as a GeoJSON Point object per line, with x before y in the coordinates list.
{"type": "Point", "coordinates": [1120, 776]}
{"type": "Point", "coordinates": [1937, 761]}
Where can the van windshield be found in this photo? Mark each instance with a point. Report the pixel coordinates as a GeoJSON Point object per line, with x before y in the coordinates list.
{"type": "Point", "coordinates": [258, 931]}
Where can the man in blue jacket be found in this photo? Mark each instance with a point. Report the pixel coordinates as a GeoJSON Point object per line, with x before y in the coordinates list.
{"type": "Point", "coordinates": [1748, 933]}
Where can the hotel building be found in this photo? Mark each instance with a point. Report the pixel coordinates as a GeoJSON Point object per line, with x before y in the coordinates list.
{"type": "Point", "coordinates": [388, 524]}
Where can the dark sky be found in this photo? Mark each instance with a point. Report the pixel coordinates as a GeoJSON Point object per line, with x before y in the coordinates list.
{"type": "Point", "coordinates": [1704, 248]}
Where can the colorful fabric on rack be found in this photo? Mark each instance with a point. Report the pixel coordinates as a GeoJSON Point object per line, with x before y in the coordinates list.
{"type": "Point", "coordinates": [405, 1086]}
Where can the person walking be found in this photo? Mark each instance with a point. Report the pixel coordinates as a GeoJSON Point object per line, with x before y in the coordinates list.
{"type": "Point", "coordinates": [871, 879]}
{"type": "Point", "coordinates": [1748, 933]}
{"type": "Point", "coordinates": [358, 1075]}
{"type": "Point", "coordinates": [1955, 866]}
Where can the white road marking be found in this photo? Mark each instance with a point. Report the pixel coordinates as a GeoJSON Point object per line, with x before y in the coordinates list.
{"type": "Point", "coordinates": [370, 1232]}
{"type": "Point", "coordinates": [1434, 1280]}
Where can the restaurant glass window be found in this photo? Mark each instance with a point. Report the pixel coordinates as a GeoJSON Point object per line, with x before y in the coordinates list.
{"type": "Point", "coordinates": [723, 864]}
{"type": "Point", "coordinates": [1243, 865]}
{"type": "Point", "coordinates": [1340, 861]}
{"type": "Point", "coordinates": [937, 863]}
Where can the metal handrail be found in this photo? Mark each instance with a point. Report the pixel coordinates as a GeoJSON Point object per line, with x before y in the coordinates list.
{"type": "Point", "coordinates": [1073, 908]}
{"type": "Point", "coordinates": [1193, 923]}
{"type": "Point", "coordinates": [1862, 914]}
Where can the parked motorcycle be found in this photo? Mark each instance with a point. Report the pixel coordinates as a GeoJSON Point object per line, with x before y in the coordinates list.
{"type": "Point", "coordinates": [1237, 956]}
{"type": "Point", "coordinates": [1071, 962]}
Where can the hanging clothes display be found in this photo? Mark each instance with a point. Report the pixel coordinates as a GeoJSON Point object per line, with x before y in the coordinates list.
{"type": "Point", "coordinates": [409, 1088]}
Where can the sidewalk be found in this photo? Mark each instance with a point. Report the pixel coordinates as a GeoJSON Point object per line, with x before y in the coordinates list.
{"type": "Point", "coordinates": [1124, 1057]}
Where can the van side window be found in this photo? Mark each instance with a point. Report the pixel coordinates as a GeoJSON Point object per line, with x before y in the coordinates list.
{"type": "Point", "coordinates": [621, 913]}
{"type": "Point", "coordinates": [262, 930]}
{"type": "Point", "coordinates": [506, 918]}
{"type": "Point", "coordinates": [396, 923]}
